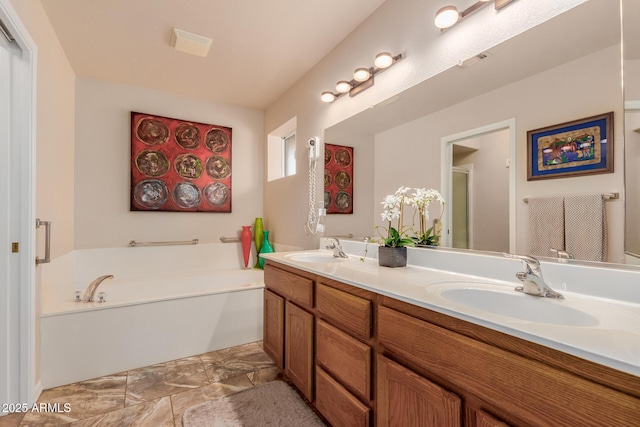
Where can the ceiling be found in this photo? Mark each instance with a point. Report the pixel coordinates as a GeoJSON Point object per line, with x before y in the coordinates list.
{"type": "Point", "coordinates": [260, 48]}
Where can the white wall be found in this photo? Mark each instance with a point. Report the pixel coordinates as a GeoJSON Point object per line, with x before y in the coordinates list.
{"type": "Point", "coordinates": [534, 104]}
{"type": "Point", "coordinates": [398, 26]}
{"type": "Point", "coordinates": [102, 167]}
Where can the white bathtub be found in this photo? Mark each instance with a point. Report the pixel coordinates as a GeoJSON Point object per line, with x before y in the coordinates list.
{"type": "Point", "coordinates": [164, 303]}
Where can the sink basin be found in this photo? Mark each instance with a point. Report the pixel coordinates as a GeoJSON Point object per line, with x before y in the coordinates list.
{"type": "Point", "coordinates": [316, 258]}
{"type": "Point", "coordinates": [507, 302]}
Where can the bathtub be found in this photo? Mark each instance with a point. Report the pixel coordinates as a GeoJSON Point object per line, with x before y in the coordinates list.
{"type": "Point", "coordinates": [164, 303]}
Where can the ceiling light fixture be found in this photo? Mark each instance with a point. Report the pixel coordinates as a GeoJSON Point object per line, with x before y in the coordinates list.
{"type": "Point", "coordinates": [362, 77]}
{"type": "Point", "coordinates": [448, 16]}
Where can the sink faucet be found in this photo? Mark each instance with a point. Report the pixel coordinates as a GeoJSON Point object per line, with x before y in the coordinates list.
{"type": "Point", "coordinates": [561, 254]}
{"type": "Point", "coordinates": [91, 289]}
{"type": "Point", "coordinates": [532, 281]}
{"type": "Point", "coordinates": [336, 248]}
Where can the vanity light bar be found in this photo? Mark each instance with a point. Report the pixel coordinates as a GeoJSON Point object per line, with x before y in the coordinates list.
{"type": "Point", "coordinates": [448, 16]}
{"type": "Point", "coordinates": [607, 196]}
{"type": "Point", "coordinates": [362, 78]}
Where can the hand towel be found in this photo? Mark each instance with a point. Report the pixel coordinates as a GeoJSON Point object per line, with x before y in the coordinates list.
{"type": "Point", "coordinates": [585, 227]}
{"type": "Point", "coordinates": [546, 225]}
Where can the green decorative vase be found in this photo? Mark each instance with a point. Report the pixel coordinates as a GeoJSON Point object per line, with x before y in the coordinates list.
{"type": "Point", "coordinates": [258, 236]}
{"type": "Point", "coordinates": [266, 248]}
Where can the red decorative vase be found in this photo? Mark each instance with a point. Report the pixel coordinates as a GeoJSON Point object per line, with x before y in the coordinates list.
{"type": "Point", "coordinates": [246, 240]}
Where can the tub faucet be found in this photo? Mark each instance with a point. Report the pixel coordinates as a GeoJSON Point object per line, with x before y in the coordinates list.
{"type": "Point", "coordinates": [91, 289]}
{"type": "Point", "coordinates": [336, 248]}
{"type": "Point", "coordinates": [532, 281]}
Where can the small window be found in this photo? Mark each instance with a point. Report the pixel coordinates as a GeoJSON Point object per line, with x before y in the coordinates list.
{"type": "Point", "coordinates": [281, 151]}
{"type": "Point", "coordinates": [289, 155]}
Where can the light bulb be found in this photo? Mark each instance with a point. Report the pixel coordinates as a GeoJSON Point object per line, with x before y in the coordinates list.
{"type": "Point", "coordinates": [343, 86]}
{"type": "Point", "coordinates": [361, 74]}
{"type": "Point", "coordinates": [327, 97]}
{"type": "Point", "coordinates": [446, 17]}
{"type": "Point", "coordinates": [383, 60]}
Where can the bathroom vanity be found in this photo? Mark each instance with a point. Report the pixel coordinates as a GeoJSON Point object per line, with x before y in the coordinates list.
{"type": "Point", "coordinates": [373, 346]}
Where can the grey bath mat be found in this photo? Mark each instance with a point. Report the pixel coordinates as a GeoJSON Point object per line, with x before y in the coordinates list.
{"type": "Point", "coordinates": [270, 404]}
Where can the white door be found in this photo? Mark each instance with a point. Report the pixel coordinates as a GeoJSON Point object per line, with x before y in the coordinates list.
{"type": "Point", "coordinates": [17, 222]}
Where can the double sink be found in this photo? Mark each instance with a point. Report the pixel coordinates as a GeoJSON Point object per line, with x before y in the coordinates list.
{"type": "Point", "coordinates": [483, 297]}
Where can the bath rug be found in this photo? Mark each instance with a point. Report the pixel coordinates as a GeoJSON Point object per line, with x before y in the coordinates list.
{"type": "Point", "coordinates": [270, 404]}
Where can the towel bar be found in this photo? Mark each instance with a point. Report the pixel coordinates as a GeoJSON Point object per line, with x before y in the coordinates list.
{"type": "Point", "coordinates": [607, 196]}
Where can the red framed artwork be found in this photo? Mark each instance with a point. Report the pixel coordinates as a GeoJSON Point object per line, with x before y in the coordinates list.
{"type": "Point", "coordinates": [338, 179]}
{"type": "Point", "coordinates": [179, 166]}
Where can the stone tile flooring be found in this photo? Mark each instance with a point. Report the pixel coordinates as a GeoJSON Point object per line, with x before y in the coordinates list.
{"type": "Point", "coordinates": [153, 396]}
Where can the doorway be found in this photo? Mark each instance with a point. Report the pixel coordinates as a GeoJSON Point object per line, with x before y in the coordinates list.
{"type": "Point", "coordinates": [488, 210]}
{"type": "Point", "coordinates": [17, 218]}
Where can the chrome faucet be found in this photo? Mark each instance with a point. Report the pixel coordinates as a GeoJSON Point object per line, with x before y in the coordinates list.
{"type": "Point", "coordinates": [532, 281]}
{"type": "Point", "coordinates": [91, 289]}
{"type": "Point", "coordinates": [561, 254]}
{"type": "Point", "coordinates": [336, 248]}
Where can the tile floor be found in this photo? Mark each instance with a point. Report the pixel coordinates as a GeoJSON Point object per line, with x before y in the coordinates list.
{"type": "Point", "coordinates": [153, 396]}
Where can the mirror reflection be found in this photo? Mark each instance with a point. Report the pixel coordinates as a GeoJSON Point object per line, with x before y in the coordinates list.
{"type": "Point", "coordinates": [631, 49]}
{"type": "Point", "coordinates": [566, 69]}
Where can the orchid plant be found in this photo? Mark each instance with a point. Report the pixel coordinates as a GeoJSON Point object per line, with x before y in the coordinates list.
{"type": "Point", "coordinates": [398, 234]}
{"type": "Point", "coordinates": [393, 205]}
{"type": "Point", "coordinates": [420, 200]}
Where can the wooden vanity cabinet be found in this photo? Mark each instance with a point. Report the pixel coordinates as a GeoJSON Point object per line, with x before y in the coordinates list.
{"type": "Point", "coordinates": [288, 333]}
{"type": "Point", "coordinates": [373, 360]}
{"type": "Point", "coordinates": [496, 386]}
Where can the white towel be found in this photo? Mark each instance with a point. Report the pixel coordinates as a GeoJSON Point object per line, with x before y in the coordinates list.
{"type": "Point", "coordinates": [585, 227]}
{"type": "Point", "coordinates": [546, 225]}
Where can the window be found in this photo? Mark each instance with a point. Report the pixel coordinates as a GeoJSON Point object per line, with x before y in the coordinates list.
{"type": "Point", "coordinates": [281, 151]}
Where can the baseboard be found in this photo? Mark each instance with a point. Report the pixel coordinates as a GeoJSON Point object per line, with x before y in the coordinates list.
{"type": "Point", "coordinates": [37, 391]}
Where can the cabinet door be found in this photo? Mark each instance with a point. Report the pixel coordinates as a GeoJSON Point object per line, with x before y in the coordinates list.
{"type": "Point", "coordinates": [485, 420]}
{"type": "Point", "coordinates": [404, 398]}
{"type": "Point", "coordinates": [273, 327]}
{"type": "Point", "coordinates": [298, 352]}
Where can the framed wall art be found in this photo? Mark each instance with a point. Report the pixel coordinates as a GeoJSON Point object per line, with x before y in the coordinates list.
{"type": "Point", "coordinates": [179, 166]}
{"type": "Point", "coordinates": [569, 149]}
{"type": "Point", "coordinates": [338, 179]}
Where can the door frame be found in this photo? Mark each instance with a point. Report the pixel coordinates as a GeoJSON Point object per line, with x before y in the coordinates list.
{"type": "Point", "coordinates": [21, 226]}
{"type": "Point", "coordinates": [446, 160]}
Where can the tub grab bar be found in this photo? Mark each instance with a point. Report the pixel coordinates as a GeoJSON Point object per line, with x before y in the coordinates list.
{"type": "Point", "coordinates": [229, 239]}
{"type": "Point", "coordinates": [47, 242]}
{"type": "Point", "coordinates": [133, 243]}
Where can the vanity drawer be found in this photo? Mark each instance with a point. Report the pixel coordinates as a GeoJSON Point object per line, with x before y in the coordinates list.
{"type": "Point", "coordinates": [337, 405]}
{"type": "Point", "coordinates": [347, 359]}
{"type": "Point", "coordinates": [349, 312]}
{"type": "Point", "coordinates": [289, 285]}
{"type": "Point", "coordinates": [498, 377]}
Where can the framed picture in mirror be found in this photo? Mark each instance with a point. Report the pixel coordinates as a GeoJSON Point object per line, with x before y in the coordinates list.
{"type": "Point", "coordinates": [338, 179]}
{"type": "Point", "coordinates": [579, 147]}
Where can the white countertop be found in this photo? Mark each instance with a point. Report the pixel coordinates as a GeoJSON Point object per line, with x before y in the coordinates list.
{"type": "Point", "coordinates": [610, 336]}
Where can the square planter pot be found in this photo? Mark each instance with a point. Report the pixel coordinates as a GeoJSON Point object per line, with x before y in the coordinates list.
{"type": "Point", "coordinates": [392, 257]}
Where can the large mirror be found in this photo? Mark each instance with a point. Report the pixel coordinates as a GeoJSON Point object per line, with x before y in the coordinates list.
{"type": "Point", "coordinates": [473, 119]}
